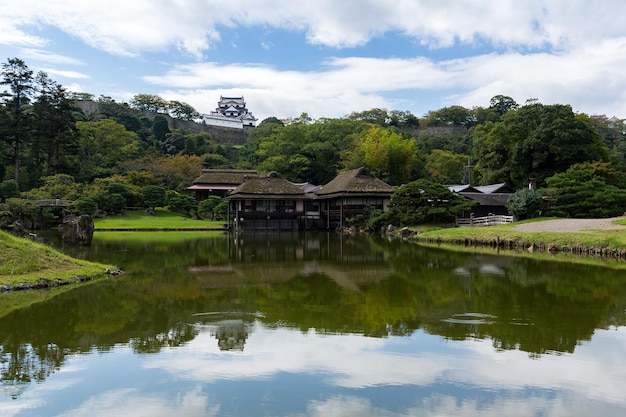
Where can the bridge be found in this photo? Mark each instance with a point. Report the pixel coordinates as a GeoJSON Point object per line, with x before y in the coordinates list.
{"type": "Point", "coordinates": [54, 202]}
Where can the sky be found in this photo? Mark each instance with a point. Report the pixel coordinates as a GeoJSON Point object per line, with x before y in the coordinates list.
{"type": "Point", "coordinates": [328, 58]}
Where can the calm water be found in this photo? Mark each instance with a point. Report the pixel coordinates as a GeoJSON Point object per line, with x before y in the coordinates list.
{"type": "Point", "coordinates": [317, 325]}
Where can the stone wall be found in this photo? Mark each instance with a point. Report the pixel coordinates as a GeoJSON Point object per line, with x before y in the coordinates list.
{"type": "Point", "coordinates": [221, 135]}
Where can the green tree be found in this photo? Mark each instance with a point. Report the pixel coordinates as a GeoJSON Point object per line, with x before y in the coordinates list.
{"type": "Point", "coordinates": [209, 207]}
{"type": "Point", "coordinates": [182, 111]}
{"type": "Point", "coordinates": [153, 196]}
{"type": "Point", "coordinates": [424, 201]}
{"type": "Point", "coordinates": [450, 116]}
{"type": "Point", "coordinates": [583, 191]}
{"type": "Point", "coordinates": [103, 144]}
{"type": "Point", "coordinates": [9, 189]}
{"type": "Point", "coordinates": [445, 167]}
{"type": "Point", "coordinates": [84, 205]}
{"type": "Point", "coordinates": [503, 104]}
{"type": "Point", "coordinates": [375, 116]}
{"type": "Point", "coordinates": [15, 120]}
{"type": "Point", "coordinates": [160, 128]}
{"type": "Point", "coordinates": [55, 139]}
{"type": "Point", "coordinates": [149, 102]}
{"type": "Point", "coordinates": [180, 203]}
{"type": "Point", "coordinates": [535, 141]}
{"type": "Point", "coordinates": [525, 203]}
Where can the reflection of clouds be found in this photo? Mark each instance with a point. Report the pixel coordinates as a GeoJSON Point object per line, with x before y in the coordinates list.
{"type": "Point", "coordinates": [33, 396]}
{"type": "Point", "coordinates": [353, 361]}
{"type": "Point", "coordinates": [444, 405]}
{"type": "Point", "coordinates": [129, 402]}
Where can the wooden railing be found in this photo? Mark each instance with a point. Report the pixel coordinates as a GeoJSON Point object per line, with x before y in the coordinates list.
{"type": "Point", "coordinates": [484, 221]}
{"type": "Point", "coordinates": [53, 202]}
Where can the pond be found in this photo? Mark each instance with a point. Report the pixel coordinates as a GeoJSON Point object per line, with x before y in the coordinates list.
{"type": "Point", "coordinates": [282, 324]}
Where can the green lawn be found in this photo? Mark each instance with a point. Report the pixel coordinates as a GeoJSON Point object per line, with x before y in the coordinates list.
{"type": "Point", "coordinates": [27, 261]}
{"type": "Point", "coordinates": [614, 239]}
{"type": "Point", "coordinates": [163, 219]}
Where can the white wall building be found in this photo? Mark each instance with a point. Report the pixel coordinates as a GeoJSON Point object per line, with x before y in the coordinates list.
{"type": "Point", "coordinates": [230, 112]}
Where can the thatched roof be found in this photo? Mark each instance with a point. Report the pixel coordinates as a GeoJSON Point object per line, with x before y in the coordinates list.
{"type": "Point", "coordinates": [356, 181]}
{"type": "Point", "coordinates": [224, 176]}
{"type": "Point", "coordinates": [271, 185]}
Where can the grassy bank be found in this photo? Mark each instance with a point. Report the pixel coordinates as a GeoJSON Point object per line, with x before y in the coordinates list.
{"type": "Point", "coordinates": [610, 242]}
{"type": "Point", "coordinates": [24, 261]}
{"type": "Point", "coordinates": [161, 220]}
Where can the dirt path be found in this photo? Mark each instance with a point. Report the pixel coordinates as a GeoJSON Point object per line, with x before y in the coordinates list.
{"type": "Point", "coordinates": [571, 225]}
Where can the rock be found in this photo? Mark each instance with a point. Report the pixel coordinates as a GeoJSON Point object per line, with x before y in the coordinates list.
{"type": "Point", "coordinates": [77, 230]}
{"type": "Point", "coordinates": [113, 272]}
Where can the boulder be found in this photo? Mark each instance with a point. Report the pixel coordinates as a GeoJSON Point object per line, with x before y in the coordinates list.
{"type": "Point", "coordinates": [77, 230]}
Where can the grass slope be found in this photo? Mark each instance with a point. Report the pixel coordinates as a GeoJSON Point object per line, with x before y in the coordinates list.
{"type": "Point", "coordinates": [162, 220]}
{"type": "Point", "coordinates": [612, 239]}
{"type": "Point", "coordinates": [22, 260]}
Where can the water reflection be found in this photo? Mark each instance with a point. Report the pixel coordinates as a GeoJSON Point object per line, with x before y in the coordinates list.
{"type": "Point", "coordinates": [269, 324]}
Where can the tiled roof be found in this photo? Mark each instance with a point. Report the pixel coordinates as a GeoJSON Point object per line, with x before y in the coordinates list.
{"type": "Point", "coordinates": [495, 199]}
{"type": "Point", "coordinates": [224, 176]}
{"type": "Point", "coordinates": [494, 188]}
{"type": "Point", "coordinates": [355, 181]}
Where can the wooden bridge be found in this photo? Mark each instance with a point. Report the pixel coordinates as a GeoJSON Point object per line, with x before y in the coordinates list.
{"type": "Point", "coordinates": [54, 202]}
{"type": "Point", "coordinates": [484, 221]}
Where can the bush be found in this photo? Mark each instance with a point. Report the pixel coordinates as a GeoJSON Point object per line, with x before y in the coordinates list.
{"type": "Point", "coordinates": [525, 204]}
{"type": "Point", "coordinates": [213, 208]}
{"type": "Point", "coordinates": [153, 196]}
{"type": "Point", "coordinates": [84, 205]}
{"type": "Point", "coordinates": [180, 203]}
{"type": "Point", "coordinates": [9, 189]}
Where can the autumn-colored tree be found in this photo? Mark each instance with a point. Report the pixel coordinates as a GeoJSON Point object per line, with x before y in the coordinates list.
{"type": "Point", "coordinates": [388, 155]}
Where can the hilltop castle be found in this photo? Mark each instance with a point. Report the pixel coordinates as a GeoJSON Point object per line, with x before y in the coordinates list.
{"type": "Point", "coordinates": [230, 112]}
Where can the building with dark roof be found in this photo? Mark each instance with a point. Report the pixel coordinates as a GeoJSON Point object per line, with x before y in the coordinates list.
{"type": "Point", "coordinates": [491, 199]}
{"type": "Point", "coordinates": [218, 182]}
{"type": "Point", "coordinates": [270, 202]}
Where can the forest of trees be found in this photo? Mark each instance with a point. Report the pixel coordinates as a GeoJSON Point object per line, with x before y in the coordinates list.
{"type": "Point", "coordinates": [116, 156]}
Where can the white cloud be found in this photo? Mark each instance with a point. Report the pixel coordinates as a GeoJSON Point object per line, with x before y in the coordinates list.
{"type": "Point", "coordinates": [562, 51]}
{"type": "Point", "coordinates": [128, 28]}
{"type": "Point", "coordinates": [48, 57]}
{"type": "Point", "coordinates": [589, 78]}
{"type": "Point", "coordinates": [65, 74]}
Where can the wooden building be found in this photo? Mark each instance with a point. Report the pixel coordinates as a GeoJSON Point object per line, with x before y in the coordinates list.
{"type": "Point", "coordinates": [270, 202]}
{"type": "Point", "coordinates": [219, 182]}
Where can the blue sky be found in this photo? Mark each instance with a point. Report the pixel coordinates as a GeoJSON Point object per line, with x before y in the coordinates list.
{"type": "Point", "coordinates": [329, 58]}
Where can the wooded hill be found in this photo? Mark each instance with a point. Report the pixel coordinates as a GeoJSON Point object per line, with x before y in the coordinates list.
{"type": "Point", "coordinates": [56, 143]}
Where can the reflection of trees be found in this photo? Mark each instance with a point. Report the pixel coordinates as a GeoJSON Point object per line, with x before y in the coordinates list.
{"type": "Point", "coordinates": [180, 334]}
{"type": "Point", "coordinates": [535, 306]}
{"type": "Point", "coordinates": [348, 285]}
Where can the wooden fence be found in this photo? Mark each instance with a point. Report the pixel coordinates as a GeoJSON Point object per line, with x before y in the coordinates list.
{"type": "Point", "coordinates": [483, 221]}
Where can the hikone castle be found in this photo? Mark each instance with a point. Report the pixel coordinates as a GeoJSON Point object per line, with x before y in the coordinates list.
{"type": "Point", "coordinates": [230, 112]}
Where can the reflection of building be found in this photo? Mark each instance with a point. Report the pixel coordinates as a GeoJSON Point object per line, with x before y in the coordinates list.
{"type": "Point", "coordinates": [230, 112]}
{"type": "Point", "coordinates": [231, 334]}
